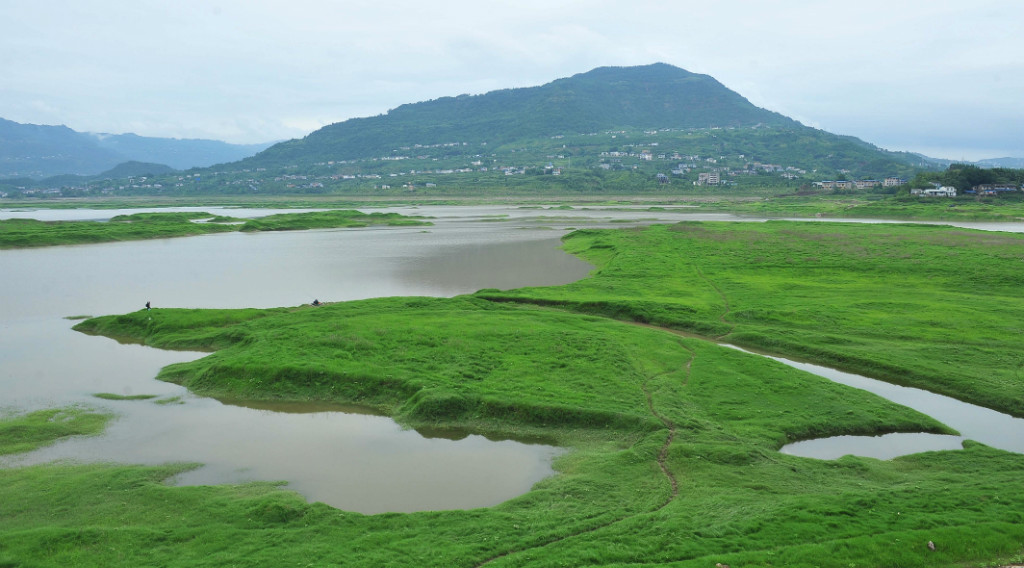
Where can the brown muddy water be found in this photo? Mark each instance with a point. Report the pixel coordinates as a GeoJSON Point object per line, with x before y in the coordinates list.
{"type": "Point", "coordinates": [349, 460]}
{"type": "Point", "coordinates": [357, 462]}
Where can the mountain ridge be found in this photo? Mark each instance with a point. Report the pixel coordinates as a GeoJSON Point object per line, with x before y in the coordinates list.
{"type": "Point", "coordinates": [650, 96]}
{"type": "Point", "coordinates": [41, 151]}
{"type": "Point", "coordinates": [651, 128]}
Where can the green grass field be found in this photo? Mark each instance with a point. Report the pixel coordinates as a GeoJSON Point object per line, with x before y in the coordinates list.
{"type": "Point", "coordinates": [673, 439]}
{"type": "Point", "coordinates": [921, 305]}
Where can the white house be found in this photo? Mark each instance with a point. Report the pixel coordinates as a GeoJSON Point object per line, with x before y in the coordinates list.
{"type": "Point", "coordinates": [944, 191]}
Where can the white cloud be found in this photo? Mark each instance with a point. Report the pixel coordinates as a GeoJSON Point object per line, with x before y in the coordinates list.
{"type": "Point", "coordinates": [250, 71]}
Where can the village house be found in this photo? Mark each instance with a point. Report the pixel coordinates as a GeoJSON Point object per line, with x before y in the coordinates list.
{"type": "Point", "coordinates": [860, 184]}
{"type": "Point", "coordinates": [708, 178]}
{"type": "Point", "coordinates": [834, 184]}
{"type": "Point", "coordinates": [943, 191]}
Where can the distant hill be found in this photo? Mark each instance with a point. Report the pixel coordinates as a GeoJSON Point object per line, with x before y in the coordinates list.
{"type": "Point", "coordinates": [38, 151]}
{"type": "Point", "coordinates": [651, 96]}
{"type": "Point", "coordinates": [614, 130]}
{"type": "Point", "coordinates": [1016, 163]}
{"type": "Point", "coordinates": [31, 150]}
{"type": "Point", "coordinates": [134, 169]}
{"type": "Point", "coordinates": [180, 154]}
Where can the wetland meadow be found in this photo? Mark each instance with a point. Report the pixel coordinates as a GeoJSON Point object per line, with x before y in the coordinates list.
{"type": "Point", "coordinates": [670, 441]}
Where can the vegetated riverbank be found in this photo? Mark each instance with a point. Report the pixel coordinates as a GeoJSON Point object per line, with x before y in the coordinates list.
{"type": "Point", "coordinates": [675, 439]}
{"type": "Point", "coordinates": [22, 233]}
{"type": "Point", "coordinates": [927, 306]}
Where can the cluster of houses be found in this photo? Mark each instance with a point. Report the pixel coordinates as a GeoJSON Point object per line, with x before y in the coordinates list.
{"type": "Point", "coordinates": [982, 189]}
{"type": "Point", "coordinates": [993, 188]}
{"type": "Point", "coordinates": [891, 181]}
{"type": "Point", "coordinates": [715, 175]}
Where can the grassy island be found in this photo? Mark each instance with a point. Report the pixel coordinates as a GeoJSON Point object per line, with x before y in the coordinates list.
{"type": "Point", "coordinates": [24, 233]}
{"type": "Point", "coordinates": [674, 439]}
{"type": "Point", "coordinates": [26, 432]}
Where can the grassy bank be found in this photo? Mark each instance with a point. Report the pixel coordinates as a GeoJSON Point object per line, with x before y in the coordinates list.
{"type": "Point", "coordinates": [463, 362]}
{"type": "Point", "coordinates": [926, 306]}
{"type": "Point", "coordinates": [328, 220]}
{"type": "Point", "coordinates": [605, 512]}
{"type": "Point", "coordinates": [27, 432]}
{"type": "Point", "coordinates": [674, 440]}
{"type": "Point", "coordinates": [24, 233]}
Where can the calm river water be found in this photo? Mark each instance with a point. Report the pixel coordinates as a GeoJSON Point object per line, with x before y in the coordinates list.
{"type": "Point", "coordinates": [352, 461]}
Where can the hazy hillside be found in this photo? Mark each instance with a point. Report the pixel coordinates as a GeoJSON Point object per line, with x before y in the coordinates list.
{"type": "Point", "coordinates": [31, 150]}
{"type": "Point", "coordinates": [38, 151]}
{"type": "Point", "coordinates": [1002, 163]}
{"type": "Point", "coordinates": [135, 168]}
{"type": "Point", "coordinates": [180, 154]}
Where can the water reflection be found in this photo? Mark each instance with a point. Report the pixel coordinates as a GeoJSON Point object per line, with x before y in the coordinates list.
{"type": "Point", "coordinates": [357, 462]}
{"type": "Point", "coordinates": [882, 447]}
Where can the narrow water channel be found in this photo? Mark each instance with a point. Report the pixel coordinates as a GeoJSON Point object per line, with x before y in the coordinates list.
{"type": "Point", "coordinates": [976, 423]}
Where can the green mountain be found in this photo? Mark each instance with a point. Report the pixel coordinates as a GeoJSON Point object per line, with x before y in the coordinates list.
{"type": "Point", "coordinates": [652, 96]}
{"type": "Point", "coordinates": [614, 130]}
{"type": "Point", "coordinates": [602, 119]}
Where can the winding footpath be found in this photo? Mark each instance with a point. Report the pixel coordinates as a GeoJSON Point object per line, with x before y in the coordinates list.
{"type": "Point", "coordinates": [662, 461]}
{"type": "Point", "coordinates": [662, 458]}
{"type": "Point", "coordinates": [725, 301]}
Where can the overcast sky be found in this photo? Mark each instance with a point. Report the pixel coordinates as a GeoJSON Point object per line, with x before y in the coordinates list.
{"type": "Point", "coordinates": [944, 78]}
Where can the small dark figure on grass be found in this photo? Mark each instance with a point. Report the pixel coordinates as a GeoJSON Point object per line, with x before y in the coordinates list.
{"type": "Point", "coordinates": [147, 306]}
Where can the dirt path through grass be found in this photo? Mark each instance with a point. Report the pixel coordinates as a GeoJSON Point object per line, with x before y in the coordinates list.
{"type": "Point", "coordinates": [725, 300]}
{"type": "Point", "coordinates": [662, 460]}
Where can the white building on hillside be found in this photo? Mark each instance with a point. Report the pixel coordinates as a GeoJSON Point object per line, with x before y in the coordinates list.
{"type": "Point", "coordinates": [944, 191]}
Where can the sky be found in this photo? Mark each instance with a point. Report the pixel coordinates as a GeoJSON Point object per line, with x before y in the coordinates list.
{"type": "Point", "coordinates": [942, 78]}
